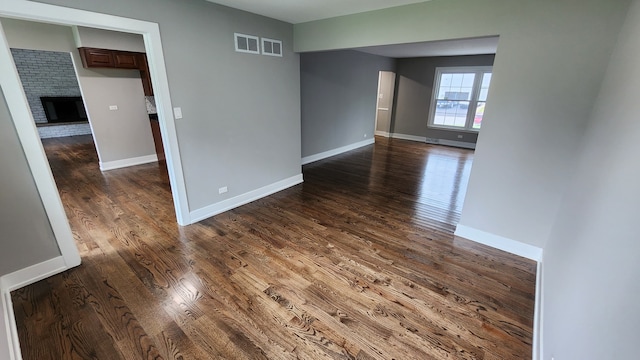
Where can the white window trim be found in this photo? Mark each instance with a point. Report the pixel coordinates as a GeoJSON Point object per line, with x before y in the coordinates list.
{"type": "Point", "coordinates": [474, 95]}
{"type": "Point", "coordinates": [235, 42]}
{"type": "Point", "coordinates": [272, 41]}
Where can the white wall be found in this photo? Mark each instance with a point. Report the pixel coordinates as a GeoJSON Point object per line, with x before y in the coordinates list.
{"type": "Point", "coordinates": [118, 135]}
{"type": "Point", "coordinates": [550, 62]}
{"type": "Point", "coordinates": [591, 266]}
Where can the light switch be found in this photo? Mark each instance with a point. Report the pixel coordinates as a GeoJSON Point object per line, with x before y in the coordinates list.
{"type": "Point", "coordinates": [177, 113]}
{"type": "Point", "coordinates": [113, 107]}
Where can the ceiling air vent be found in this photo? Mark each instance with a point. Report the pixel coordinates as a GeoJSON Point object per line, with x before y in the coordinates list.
{"type": "Point", "coordinates": [271, 47]}
{"type": "Point", "coordinates": [247, 43]}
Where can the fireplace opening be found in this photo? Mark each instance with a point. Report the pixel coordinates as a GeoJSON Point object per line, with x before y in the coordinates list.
{"type": "Point", "coordinates": [64, 109]}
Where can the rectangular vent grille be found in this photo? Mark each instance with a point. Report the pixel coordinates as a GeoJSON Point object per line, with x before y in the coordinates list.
{"type": "Point", "coordinates": [247, 43]}
{"type": "Point", "coordinates": [271, 47]}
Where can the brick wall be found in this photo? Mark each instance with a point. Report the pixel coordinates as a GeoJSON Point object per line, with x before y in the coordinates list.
{"type": "Point", "coordinates": [54, 131]}
{"type": "Point", "coordinates": [48, 73]}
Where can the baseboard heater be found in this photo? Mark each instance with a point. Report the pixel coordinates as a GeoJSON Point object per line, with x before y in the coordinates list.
{"type": "Point", "coordinates": [460, 144]}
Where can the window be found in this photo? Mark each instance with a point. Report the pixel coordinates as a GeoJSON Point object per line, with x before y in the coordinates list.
{"type": "Point", "coordinates": [271, 47]}
{"type": "Point", "coordinates": [247, 43]}
{"type": "Point", "coordinates": [459, 97]}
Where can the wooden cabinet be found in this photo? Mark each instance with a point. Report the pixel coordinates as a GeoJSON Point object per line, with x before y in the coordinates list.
{"type": "Point", "coordinates": [116, 59]}
{"type": "Point", "coordinates": [92, 58]}
{"type": "Point", "coordinates": [144, 75]}
{"type": "Point", "coordinates": [126, 60]}
{"type": "Point", "coordinates": [157, 137]}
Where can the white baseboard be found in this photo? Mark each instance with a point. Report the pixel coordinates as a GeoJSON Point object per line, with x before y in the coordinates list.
{"type": "Point", "coordinates": [323, 155]}
{"type": "Point", "coordinates": [460, 144]}
{"type": "Point", "coordinates": [234, 202]}
{"type": "Point", "coordinates": [537, 316]}
{"type": "Point", "coordinates": [31, 274]}
{"type": "Point", "coordinates": [409, 137]}
{"type": "Point", "coordinates": [9, 344]}
{"type": "Point", "coordinates": [9, 341]}
{"type": "Point", "coordinates": [382, 133]}
{"type": "Point", "coordinates": [117, 164]}
{"type": "Point", "coordinates": [501, 243]}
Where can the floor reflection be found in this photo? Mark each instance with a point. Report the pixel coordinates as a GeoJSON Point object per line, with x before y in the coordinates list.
{"type": "Point", "coordinates": [434, 178]}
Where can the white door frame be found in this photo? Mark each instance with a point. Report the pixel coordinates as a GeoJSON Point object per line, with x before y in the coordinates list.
{"type": "Point", "coordinates": [28, 134]}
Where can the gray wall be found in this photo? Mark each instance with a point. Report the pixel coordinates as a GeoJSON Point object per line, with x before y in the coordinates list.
{"type": "Point", "coordinates": [531, 129]}
{"type": "Point", "coordinates": [338, 91]}
{"type": "Point", "coordinates": [27, 237]}
{"type": "Point", "coordinates": [591, 262]}
{"type": "Point", "coordinates": [118, 135]}
{"type": "Point", "coordinates": [415, 78]}
{"type": "Point", "coordinates": [241, 125]}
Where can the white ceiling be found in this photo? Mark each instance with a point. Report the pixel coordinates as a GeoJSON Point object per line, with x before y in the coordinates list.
{"type": "Point", "coordinates": [299, 11]}
{"type": "Point", "coordinates": [476, 46]}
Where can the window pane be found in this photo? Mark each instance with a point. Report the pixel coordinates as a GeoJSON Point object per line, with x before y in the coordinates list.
{"type": "Point", "coordinates": [445, 80]}
{"type": "Point", "coordinates": [477, 119]}
{"type": "Point", "coordinates": [468, 79]}
{"type": "Point", "coordinates": [451, 113]}
{"type": "Point", "coordinates": [486, 80]}
{"type": "Point", "coordinates": [456, 86]}
{"type": "Point", "coordinates": [484, 89]}
{"type": "Point", "coordinates": [456, 80]}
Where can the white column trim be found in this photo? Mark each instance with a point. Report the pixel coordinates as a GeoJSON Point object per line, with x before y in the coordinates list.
{"type": "Point", "coordinates": [499, 242]}
{"type": "Point", "coordinates": [234, 202]}
{"type": "Point", "coordinates": [329, 153]}
{"type": "Point", "coordinates": [118, 164]}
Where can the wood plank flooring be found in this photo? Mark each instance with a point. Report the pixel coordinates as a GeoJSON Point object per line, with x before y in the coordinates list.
{"type": "Point", "coordinates": [359, 262]}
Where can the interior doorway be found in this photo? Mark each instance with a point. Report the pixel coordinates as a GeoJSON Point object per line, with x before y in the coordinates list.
{"type": "Point", "coordinates": [384, 103]}
{"type": "Point", "coordinates": [28, 135]}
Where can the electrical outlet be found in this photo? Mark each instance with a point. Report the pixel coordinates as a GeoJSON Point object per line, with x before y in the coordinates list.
{"type": "Point", "coordinates": [222, 190]}
{"type": "Point", "coordinates": [365, 135]}
{"type": "Point", "coordinates": [177, 113]}
{"type": "Point", "coordinates": [460, 136]}
{"type": "Point", "coordinates": [113, 107]}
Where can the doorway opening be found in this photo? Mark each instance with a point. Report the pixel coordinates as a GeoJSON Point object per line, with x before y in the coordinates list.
{"type": "Point", "coordinates": [384, 103]}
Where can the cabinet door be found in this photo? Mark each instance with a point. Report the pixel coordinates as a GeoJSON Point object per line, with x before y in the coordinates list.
{"type": "Point", "coordinates": [126, 60]}
{"type": "Point", "coordinates": [96, 57]}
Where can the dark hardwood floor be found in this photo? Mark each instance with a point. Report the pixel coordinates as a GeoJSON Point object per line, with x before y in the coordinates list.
{"type": "Point", "coordinates": [359, 262]}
